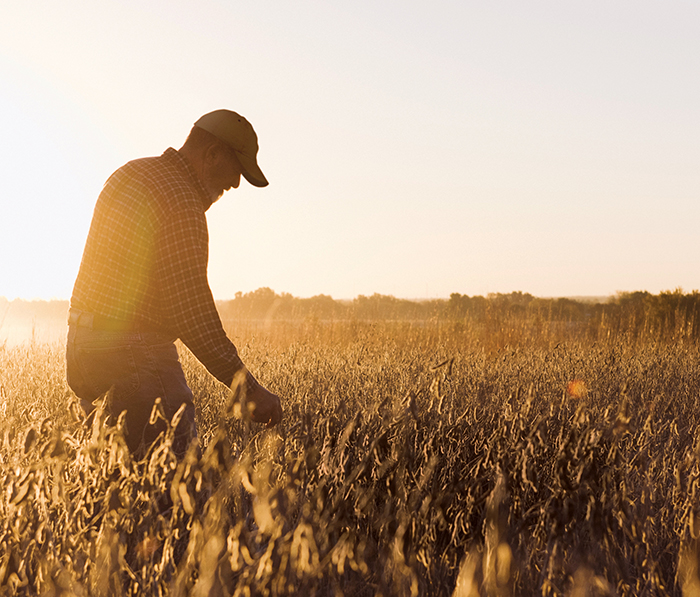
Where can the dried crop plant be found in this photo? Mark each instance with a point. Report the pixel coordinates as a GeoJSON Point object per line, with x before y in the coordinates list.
{"type": "Point", "coordinates": [413, 460]}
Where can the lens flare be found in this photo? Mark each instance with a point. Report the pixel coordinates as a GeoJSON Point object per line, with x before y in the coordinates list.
{"type": "Point", "coordinates": [576, 388]}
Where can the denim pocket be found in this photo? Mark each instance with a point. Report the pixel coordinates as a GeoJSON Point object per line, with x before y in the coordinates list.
{"type": "Point", "coordinates": [106, 367]}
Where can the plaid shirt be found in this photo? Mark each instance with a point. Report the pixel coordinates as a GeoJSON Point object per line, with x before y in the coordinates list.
{"type": "Point", "coordinates": [145, 259]}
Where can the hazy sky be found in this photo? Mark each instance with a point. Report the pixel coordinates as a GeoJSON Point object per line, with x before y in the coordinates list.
{"type": "Point", "coordinates": [413, 148]}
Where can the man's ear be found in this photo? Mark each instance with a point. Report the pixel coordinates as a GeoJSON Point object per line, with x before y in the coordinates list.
{"type": "Point", "coordinates": [213, 153]}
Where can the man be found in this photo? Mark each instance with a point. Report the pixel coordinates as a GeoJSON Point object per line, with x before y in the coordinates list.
{"type": "Point", "coordinates": [143, 283]}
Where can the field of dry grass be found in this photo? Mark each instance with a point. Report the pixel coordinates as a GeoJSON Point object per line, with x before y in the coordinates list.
{"type": "Point", "coordinates": [414, 459]}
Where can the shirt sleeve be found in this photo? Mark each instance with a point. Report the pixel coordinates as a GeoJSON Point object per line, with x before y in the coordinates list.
{"type": "Point", "coordinates": [188, 304]}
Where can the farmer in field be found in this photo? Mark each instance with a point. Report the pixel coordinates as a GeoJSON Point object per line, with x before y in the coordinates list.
{"type": "Point", "coordinates": [143, 283]}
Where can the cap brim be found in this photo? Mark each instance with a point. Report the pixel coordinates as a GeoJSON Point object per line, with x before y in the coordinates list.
{"type": "Point", "coordinates": [251, 171]}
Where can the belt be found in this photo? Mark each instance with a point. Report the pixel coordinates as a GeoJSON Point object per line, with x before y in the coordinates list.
{"type": "Point", "coordinates": [101, 323]}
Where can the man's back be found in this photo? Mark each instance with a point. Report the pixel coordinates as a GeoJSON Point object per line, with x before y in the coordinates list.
{"type": "Point", "coordinates": [149, 210]}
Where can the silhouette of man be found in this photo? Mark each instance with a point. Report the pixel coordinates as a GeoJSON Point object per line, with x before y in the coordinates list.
{"type": "Point", "coordinates": [143, 283]}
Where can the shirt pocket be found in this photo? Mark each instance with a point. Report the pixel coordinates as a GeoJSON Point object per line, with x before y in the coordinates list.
{"type": "Point", "coordinates": [104, 368]}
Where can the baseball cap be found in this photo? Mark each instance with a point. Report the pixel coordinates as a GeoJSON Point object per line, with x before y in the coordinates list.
{"type": "Point", "coordinates": [237, 133]}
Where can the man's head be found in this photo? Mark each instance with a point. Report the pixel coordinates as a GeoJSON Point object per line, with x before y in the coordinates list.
{"type": "Point", "coordinates": [236, 132]}
{"type": "Point", "coordinates": [222, 146]}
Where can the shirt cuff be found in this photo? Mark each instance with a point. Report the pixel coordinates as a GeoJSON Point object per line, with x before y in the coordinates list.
{"type": "Point", "coordinates": [251, 384]}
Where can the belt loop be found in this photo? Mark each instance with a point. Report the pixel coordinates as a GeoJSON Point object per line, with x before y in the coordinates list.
{"type": "Point", "coordinates": [81, 319]}
{"type": "Point", "coordinates": [87, 320]}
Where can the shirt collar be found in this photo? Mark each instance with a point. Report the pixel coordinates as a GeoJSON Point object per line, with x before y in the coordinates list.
{"type": "Point", "coordinates": [184, 163]}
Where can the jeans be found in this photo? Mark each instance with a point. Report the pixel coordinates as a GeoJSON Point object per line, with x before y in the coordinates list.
{"type": "Point", "coordinates": [137, 367]}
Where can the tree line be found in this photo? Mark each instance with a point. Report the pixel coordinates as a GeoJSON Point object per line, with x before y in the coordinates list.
{"type": "Point", "coordinates": [669, 315]}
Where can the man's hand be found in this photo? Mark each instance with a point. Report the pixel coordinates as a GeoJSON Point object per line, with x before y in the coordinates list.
{"type": "Point", "coordinates": [265, 407]}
